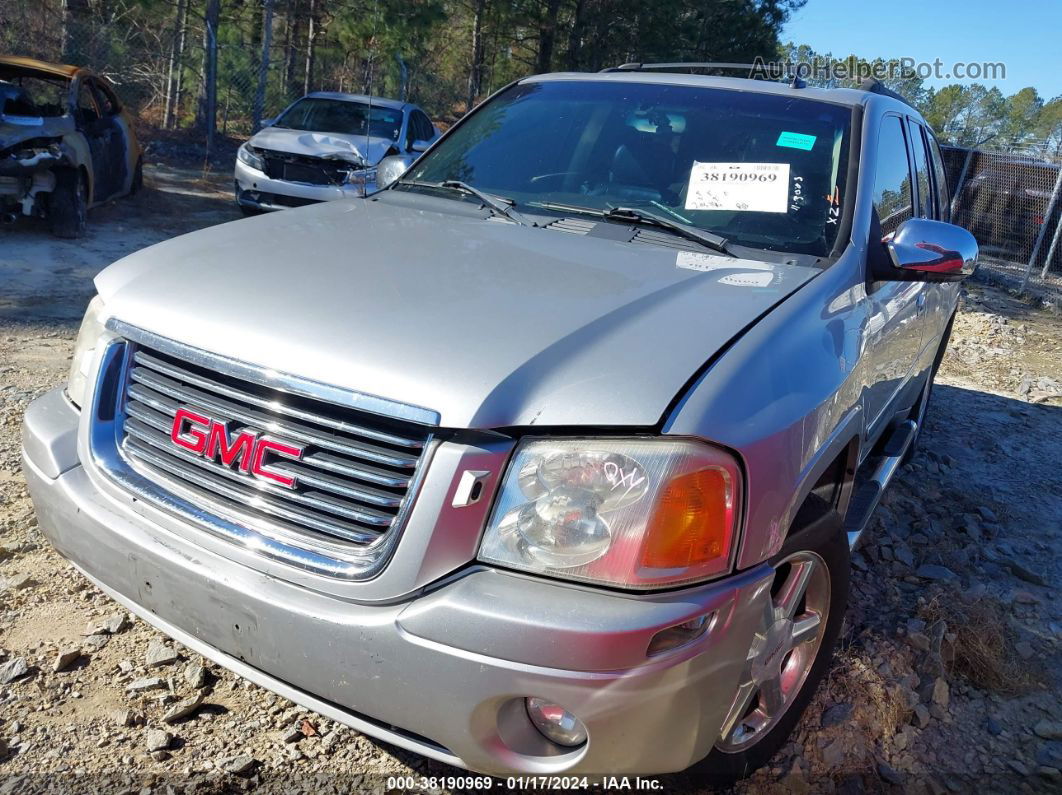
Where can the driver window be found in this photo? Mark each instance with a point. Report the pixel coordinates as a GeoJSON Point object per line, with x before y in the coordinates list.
{"type": "Point", "coordinates": [86, 105]}
{"type": "Point", "coordinates": [892, 180]}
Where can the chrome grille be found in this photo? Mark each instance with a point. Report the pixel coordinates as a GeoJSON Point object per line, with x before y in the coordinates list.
{"type": "Point", "coordinates": [352, 482]}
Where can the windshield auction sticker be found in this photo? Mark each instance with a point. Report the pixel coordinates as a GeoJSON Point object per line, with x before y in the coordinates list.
{"type": "Point", "coordinates": [741, 187]}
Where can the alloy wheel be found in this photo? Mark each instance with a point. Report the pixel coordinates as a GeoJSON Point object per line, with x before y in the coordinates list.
{"type": "Point", "coordinates": [782, 653]}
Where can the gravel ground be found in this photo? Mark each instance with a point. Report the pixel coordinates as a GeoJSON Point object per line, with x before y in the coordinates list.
{"type": "Point", "coordinates": [947, 678]}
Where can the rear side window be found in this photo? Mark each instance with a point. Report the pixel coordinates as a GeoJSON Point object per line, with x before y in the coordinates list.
{"type": "Point", "coordinates": [86, 104]}
{"type": "Point", "coordinates": [943, 190]}
{"type": "Point", "coordinates": [425, 132]}
{"type": "Point", "coordinates": [926, 207]}
{"type": "Point", "coordinates": [892, 176]}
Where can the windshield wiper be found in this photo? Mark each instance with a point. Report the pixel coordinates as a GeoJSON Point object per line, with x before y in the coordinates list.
{"type": "Point", "coordinates": [688, 231]}
{"type": "Point", "coordinates": [499, 205]}
{"type": "Point", "coordinates": [635, 216]}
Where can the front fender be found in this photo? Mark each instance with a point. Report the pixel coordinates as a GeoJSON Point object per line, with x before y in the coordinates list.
{"type": "Point", "coordinates": [787, 397]}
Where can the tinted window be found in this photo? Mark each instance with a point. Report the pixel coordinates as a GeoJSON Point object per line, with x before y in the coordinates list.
{"type": "Point", "coordinates": [926, 207]}
{"type": "Point", "coordinates": [892, 177]}
{"type": "Point", "coordinates": [943, 189]}
{"type": "Point", "coordinates": [763, 170]}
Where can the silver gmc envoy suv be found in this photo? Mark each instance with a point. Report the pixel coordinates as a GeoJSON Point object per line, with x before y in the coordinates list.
{"type": "Point", "coordinates": [547, 458]}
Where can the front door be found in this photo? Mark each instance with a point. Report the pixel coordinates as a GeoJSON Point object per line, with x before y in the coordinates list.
{"type": "Point", "coordinates": [895, 317]}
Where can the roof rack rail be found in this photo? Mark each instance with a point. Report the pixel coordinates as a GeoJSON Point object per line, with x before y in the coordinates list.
{"type": "Point", "coordinates": [751, 68]}
{"type": "Point", "coordinates": [875, 86]}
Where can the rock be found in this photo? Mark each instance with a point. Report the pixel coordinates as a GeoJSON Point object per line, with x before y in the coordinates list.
{"type": "Point", "coordinates": [183, 708]}
{"type": "Point", "coordinates": [838, 713]}
{"type": "Point", "coordinates": [293, 736]}
{"type": "Point", "coordinates": [195, 675]}
{"type": "Point", "coordinates": [987, 514]}
{"type": "Point", "coordinates": [111, 625]}
{"type": "Point", "coordinates": [157, 739]}
{"type": "Point", "coordinates": [13, 669]}
{"type": "Point", "coordinates": [1023, 573]}
{"type": "Point", "coordinates": [890, 774]}
{"type": "Point", "coordinates": [124, 717]}
{"type": "Point", "coordinates": [239, 765]}
{"type": "Point", "coordinates": [919, 640]}
{"type": "Point", "coordinates": [1017, 767]}
{"type": "Point", "coordinates": [1025, 598]}
{"type": "Point", "coordinates": [941, 694]}
{"type": "Point", "coordinates": [921, 715]}
{"type": "Point", "coordinates": [17, 583]}
{"type": "Point", "coordinates": [903, 554]}
{"type": "Point", "coordinates": [993, 726]}
{"type": "Point", "coordinates": [1049, 729]}
{"type": "Point", "coordinates": [899, 741]}
{"type": "Point", "coordinates": [1050, 754]}
{"type": "Point", "coordinates": [833, 753]}
{"type": "Point", "coordinates": [66, 658]}
{"type": "Point", "coordinates": [160, 653]}
{"type": "Point", "coordinates": [1050, 773]}
{"type": "Point", "coordinates": [1024, 650]}
{"type": "Point", "coordinates": [160, 756]}
{"type": "Point", "coordinates": [794, 782]}
{"type": "Point", "coordinates": [94, 643]}
{"type": "Point", "coordinates": [145, 684]}
{"type": "Point", "coordinates": [931, 571]}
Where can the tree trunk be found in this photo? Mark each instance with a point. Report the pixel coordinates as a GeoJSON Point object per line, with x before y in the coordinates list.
{"type": "Point", "coordinates": [208, 106]}
{"type": "Point", "coordinates": [182, 45]}
{"type": "Point", "coordinates": [575, 35]}
{"type": "Point", "coordinates": [475, 72]}
{"type": "Point", "coordinates": [547, 36]}
{"type": "Point", "coordinates": [173, 73]}
{"type": "Point", "coordinates": [311, 47]}
{"type": "Point", "coordinates": [291, 39]}
{"type": "Point", "coordinates": [75, 31]}
{"type": "Point", "coordinates": [263, 65]}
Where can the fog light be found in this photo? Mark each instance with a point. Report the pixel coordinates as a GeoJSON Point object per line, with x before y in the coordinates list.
{"type": "Point", "coordinates": [556, 723]}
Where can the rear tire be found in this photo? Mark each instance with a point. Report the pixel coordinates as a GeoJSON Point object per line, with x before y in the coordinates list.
{"type": "Point", "coordinates": [137, 184]}
{"type": "Point", "coordinates": [68, 205]}
{"type": "Point", "coordinates": [739, 752]}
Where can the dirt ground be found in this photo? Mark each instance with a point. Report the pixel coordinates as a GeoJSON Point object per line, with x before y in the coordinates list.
{"type": "Point", "coordinates": [947, 678]}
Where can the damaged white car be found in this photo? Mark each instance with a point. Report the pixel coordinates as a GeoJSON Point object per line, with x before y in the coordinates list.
{"type": "Point", "coordinates": [66, 144]}
{"type": "Point", "coordinates": [328, 145]}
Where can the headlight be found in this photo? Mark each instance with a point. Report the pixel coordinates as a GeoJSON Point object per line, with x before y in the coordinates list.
{"type": "Point", "coordinates": [362, 176]}
{"type": "Point", "coordinates": [635, 513]}
{"type": "Point", "coordinates": [84, 352]}
{"type": "Point", "coordinates": [247, 155]}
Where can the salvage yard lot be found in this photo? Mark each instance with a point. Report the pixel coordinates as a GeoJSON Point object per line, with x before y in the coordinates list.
{"type": "Point", "coordinates": [949, 668]}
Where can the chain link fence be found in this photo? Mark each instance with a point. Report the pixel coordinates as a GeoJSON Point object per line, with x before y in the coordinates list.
{"type": "Point", "coordinates": [1012, 203]}
{"type": "Point", "coordinates": [158, 56]}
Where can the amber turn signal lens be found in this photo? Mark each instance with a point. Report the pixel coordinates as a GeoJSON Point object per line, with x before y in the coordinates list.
{"type": "Point", "coordinates": [692, 521]}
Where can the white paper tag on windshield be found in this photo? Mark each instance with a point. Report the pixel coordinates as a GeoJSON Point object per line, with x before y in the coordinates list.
{"type": "Point", "coordinates": [744, 187]}
{"type": "Point", "coordinates": [696, 261]}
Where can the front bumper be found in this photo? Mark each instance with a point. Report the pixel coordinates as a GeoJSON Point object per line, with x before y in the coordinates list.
{"type": "Point", "coordinates": [442, 672]}
{"type": "Point", "coordinates": [255, 190]}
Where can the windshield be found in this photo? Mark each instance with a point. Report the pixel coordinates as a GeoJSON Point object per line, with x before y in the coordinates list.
{"type": "Point", "coordinates": [762, 170]}
{"type": "Point", "coordinates": [316, 114]}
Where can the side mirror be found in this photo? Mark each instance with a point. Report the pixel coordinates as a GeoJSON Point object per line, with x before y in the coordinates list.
{"type": "Point", "coordinates": [932, 251]}
{"type": "Point", "coordinates": [419, 146]}
{"type": "Point", "coordinates": [267, 122]}
{"type": "Point", "coordinates": [391, 169]}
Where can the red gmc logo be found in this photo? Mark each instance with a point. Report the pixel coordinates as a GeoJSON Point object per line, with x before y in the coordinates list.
{"type": "Point", "coordinates": [210, 438]}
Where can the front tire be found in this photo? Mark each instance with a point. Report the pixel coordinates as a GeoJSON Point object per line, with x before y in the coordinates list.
{"type": "Point", "coordinates": [792, 649]}
{"type": "Point", "coordinates": [68, 205]}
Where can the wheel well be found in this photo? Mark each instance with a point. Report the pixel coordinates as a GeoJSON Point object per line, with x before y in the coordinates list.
{"type": "Point", "coordinates": [831, 491]}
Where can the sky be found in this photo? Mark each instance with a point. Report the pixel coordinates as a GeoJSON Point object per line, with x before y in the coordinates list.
{"type": "Point", "coordinates": [1022, 34]}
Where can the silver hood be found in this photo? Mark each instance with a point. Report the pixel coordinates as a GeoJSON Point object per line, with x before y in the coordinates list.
{"type": "Point", "coordinates": [356, 149]}
{"type": "Point", "coordinates": [489, 324]}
